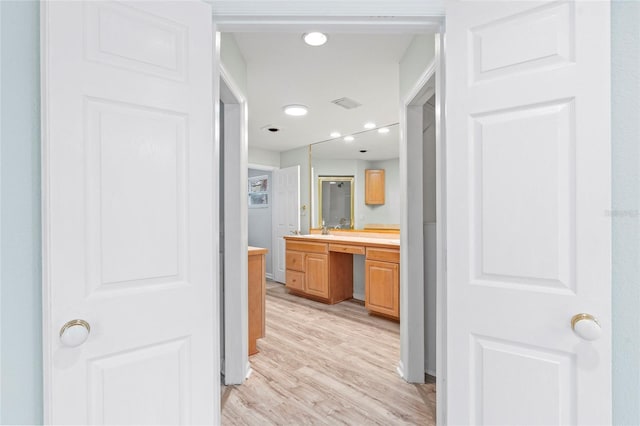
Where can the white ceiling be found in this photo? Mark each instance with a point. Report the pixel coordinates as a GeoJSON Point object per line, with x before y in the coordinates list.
{"type": "Point", "coordinates": [282, 70]}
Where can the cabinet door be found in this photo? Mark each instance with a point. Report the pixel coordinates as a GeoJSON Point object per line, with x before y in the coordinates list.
{"type": "Point", "coordinates": [382, 288]}
{"type": "Point", "coordinates": [295, 280]}
{"type": "Point", "coordinates": [317, 275]}
{"type": "Point", "coordinates": [374, 186]}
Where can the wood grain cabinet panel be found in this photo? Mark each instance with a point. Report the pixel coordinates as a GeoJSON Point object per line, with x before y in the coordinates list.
{"type": "Point", "coordinates": [309, 270]}
{"type": "Point", "coordinates": [374, 186]}
{"type": "Point", "coordinates": [295, 280]}
{"type": "Point", "coordinates": [256, 296]}
{"type": "Point", "coordinates": [383, 254]}
{"type": "Point", "coordinates": [295, 260]}
{"type": "Point", "coordinates": [382, 294]}
{"type": "Point", "coordinates": [317, 275]}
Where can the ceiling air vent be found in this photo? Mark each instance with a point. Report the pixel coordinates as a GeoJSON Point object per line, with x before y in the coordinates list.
{"type": "Point", "coordinates": [346, 103]}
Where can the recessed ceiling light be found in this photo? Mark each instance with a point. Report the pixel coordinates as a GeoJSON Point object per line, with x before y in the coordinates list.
{"type": "Point", "coordinates": [315, 39]}
{"type": "Point", "coordinates": [363, 151]}
{"type": "Point", "coordinates": [349, 138]}
{"type": "Point", "coordinates": [383, 130]}
{"type": "Point", "coordinates": [335, 134]}
{"type": "Point", "coordinates": [369, 125]}
{"type": "Point", "coordinates": [296, 110]}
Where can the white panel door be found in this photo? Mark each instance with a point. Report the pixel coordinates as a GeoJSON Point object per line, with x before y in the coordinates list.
{"type": "Point", "coordinates": [128, 237]}
{"type": "Point", "coordinates": [528, 187]}
{"type": "Point", "coordinates": [286, 217]}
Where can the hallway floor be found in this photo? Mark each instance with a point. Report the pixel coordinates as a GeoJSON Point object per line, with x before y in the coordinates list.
{"type": "Point", "coordinates": [326, 364]}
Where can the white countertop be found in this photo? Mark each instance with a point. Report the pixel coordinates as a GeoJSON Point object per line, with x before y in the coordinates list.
{"type": "Point", "coordinates": [348, 239]}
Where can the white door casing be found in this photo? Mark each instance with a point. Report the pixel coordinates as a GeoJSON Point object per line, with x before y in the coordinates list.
{"type": "Point", "coordinates": [286, 216]}
{"type": "Point", "coordinates": [236, 311]}
{"type": "Point", "coordinates": [528, 184]}
{"type": "Point", "coordinates": [129, 227]}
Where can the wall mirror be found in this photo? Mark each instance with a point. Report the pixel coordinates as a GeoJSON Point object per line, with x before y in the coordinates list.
{"type": "Point", "coordinates": [335, 201]}
{"type": "Point", "coordinates": [342, 204]}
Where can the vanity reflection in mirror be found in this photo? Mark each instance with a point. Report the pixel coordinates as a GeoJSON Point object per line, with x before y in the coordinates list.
{"type": "Point", "coordinates": [341, 186]}
{"type": "Point", "coordinates": [335, 199]}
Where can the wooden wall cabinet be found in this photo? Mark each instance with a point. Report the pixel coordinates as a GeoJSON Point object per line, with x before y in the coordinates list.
{"type": "Point", "coordinates": [382, 282]}
{"type": "Point", "coordinates": [374, 186]}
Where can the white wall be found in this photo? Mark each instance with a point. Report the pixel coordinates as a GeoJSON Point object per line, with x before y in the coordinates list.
{"type": "Point", "coordinates": [20, 248]}
{"type": "Point", "coordinates": [260, 225]}
{"type": "Point", "coordinates": [263, 157]}
{"type": "Point", "coordinates": [415, 60]}
{"type": "Point", "coordinates": [233, 61]}
{"type": "Point", "coordinates": [625, 133]}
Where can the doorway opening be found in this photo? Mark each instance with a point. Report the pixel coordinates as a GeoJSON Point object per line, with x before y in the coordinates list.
{"type": "Point", "coordinates": [413, 360]}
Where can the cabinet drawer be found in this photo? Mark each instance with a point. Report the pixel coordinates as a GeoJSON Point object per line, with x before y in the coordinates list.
{"type": "Point", "coordinates": [383, 254]}
{"type": "Point", "coordinates": [295, 260]}
{"type": "Point", "coordinates": [343, 248]}
{"type": "Point", "coordinates": [307, 246]}
{"type": "Point", "coordinates": [295, 280]}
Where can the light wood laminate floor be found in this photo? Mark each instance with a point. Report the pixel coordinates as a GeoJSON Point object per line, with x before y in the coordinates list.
{"type": "Point", "coordinates": [326, 364]}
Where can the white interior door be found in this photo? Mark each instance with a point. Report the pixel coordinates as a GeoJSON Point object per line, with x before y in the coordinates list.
{"type": "Point", "coordinates": [286, 217]}
{"type": "Point", "coordinates": [129, 242]}
{"type": "Point", "coordinates": [528, 185]}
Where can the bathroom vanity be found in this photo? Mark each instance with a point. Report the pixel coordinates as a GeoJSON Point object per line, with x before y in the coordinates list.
{"type": "Point", "coordinates": [320, 267]}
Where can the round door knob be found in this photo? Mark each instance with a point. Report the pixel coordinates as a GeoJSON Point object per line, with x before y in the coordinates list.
{"type": "Point", "coordinates": [586, 326]}
{"type": "Point", "coordinates": [74, 333]}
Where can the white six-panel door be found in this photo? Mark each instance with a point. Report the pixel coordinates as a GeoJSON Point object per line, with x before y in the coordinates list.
{"type": "Point", "coordinates": [286, 217]}
{"type": "Point", "coordinates": [128, 212]}
{"type": "Point", "coordinates": [528, 185]}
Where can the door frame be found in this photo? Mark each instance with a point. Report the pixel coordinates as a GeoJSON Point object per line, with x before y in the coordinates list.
{"type": "Point", "coordinates": [256, 166]}
{"type": "Point", "coordinates": [411, 122]}
{"type": "Point", "coordinates": [274, 17]}
{"type": "Point", "coordinates": [235, 153]}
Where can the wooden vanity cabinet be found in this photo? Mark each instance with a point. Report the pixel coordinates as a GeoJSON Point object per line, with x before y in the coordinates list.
{"type": "Point", "coordinates": [374, 186]}
{"type": "Point", "coordinates": [382, 282]}
{"type": "Point", "coordinates": [309, 271]}
{"type": "Point", "coordinates": [317, 275]}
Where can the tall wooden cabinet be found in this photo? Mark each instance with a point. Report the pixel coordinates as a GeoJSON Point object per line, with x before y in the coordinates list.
{"type": "Point", "coordinates": [256, 296]}
{"type": "Point", "coordinates": [374, 186]}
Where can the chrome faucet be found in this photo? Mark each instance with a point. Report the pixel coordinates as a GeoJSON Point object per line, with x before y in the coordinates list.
{"type": "Point", "coordinates": [325, 231]}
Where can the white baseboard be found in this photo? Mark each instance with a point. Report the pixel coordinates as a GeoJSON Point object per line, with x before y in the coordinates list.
{"type": "Point", "coordinates": [358, 296]}
{"type": "Point", "coordinates": [269, 276]}
{"type": "Point", "coordinates": [400, 369]}
{"type": "Point", "coordinates": [431, 373]}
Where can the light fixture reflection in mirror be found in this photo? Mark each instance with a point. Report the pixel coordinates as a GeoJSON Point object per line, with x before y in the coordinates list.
{"type": "Point", "coordinates": [335, 202]}
{"type": "Point", "coordinates": [370, 149]}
